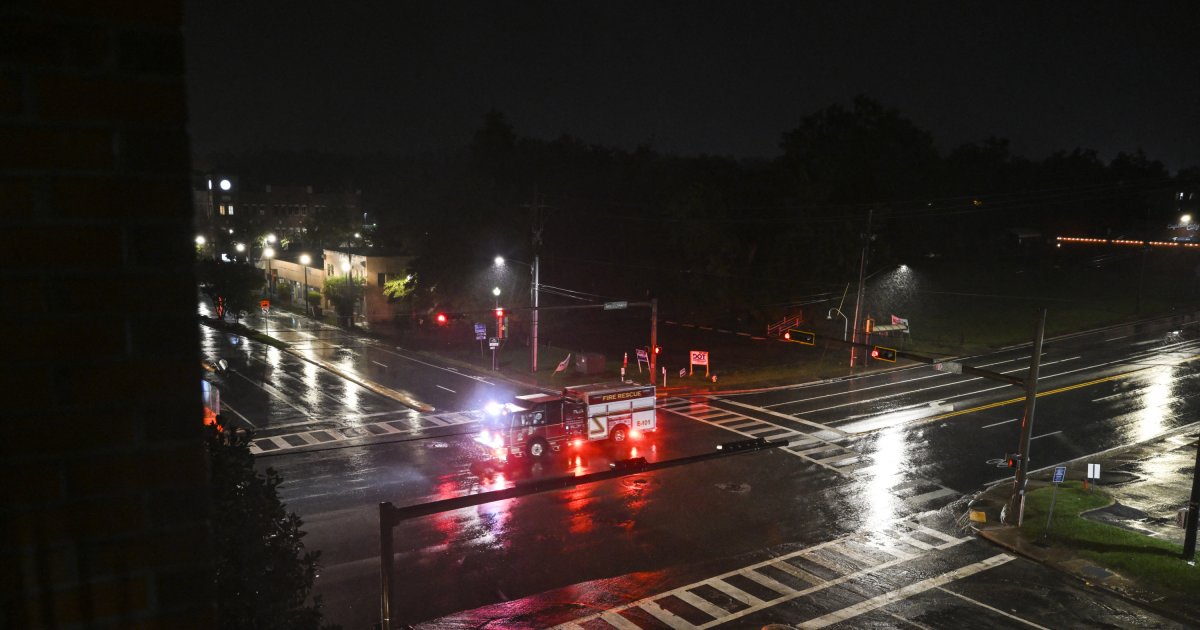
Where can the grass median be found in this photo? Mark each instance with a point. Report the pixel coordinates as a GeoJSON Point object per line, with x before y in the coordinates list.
{"type": "Point", "coordinates": [1145, 559]}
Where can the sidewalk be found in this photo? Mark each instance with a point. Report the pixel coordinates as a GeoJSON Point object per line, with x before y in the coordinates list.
{"type": "Point", "coordinates": [1148, 483]}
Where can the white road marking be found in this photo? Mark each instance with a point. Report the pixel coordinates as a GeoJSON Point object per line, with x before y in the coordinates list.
{"type": "Point", "coordinates": [379, 364]}
{"type": "Point", "coordinates": [991, 608]}
{"type": "Point", "coordinates": [446, 388]}
{"type": "Point", "coordinates": [225, 406]}
{"type": "Point", "coordinates": [988, 426]}
{"type": "Point", "coordinates": [1038, 437]}
{"type": "Point", "coordinates": [880, 601]}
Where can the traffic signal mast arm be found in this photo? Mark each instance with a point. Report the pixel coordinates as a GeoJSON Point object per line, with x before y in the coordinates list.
{"type": "Point", "coordinates": [966, 369]}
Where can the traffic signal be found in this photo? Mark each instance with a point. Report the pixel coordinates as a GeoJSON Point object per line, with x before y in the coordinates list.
{"type": "Point", "coordinates": [441, 318]}
{"type": "Point", "coordinates": [657, 349]}
{"type": "Point", "coordinates": [800, 336]}
{"type": "Point", "coordinates": [883, 354]}
{"type": "Point", "coordinates": [1013, 460]}
{"type": "Point", "coordinates": [499, 313]}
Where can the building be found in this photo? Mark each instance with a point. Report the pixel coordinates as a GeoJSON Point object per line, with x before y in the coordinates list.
{"type": "Point", "coordinates": [375, 267]}
{"type": "Point", "coordinates": [228, 210]}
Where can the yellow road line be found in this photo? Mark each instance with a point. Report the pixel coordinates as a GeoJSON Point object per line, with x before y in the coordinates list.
{"type": "Point", "coordinates": [1039, 395]}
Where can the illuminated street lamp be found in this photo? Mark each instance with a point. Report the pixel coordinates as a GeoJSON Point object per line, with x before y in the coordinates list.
{"type": "Point", "coordinates": [269, 253]}
{"type": "Point", "coordinates": [845, 326]}
{"type": "Point", "coordinates": [200, 240]}
{"type": "Point", "coordinates": [533, 317]}
{"type": "Point", "coordinates": [304, 260]}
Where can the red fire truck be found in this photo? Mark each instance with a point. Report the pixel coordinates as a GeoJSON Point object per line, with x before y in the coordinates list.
{"type": "Point", "coordinates": [536, 424]}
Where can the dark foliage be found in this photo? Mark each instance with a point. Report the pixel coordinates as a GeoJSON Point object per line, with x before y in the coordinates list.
{"type": "Point", "coordinates": [264, 575]}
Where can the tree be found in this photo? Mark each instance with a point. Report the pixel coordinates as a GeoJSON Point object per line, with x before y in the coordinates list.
{"type": "Point", "coordinates": [344, 292]}
{"type": "Point", "coordinates": [264, 574]}
{"type": "Point", "coordinates": [400, 288]}
{"type": "Point", "coordinates": [232, 286]}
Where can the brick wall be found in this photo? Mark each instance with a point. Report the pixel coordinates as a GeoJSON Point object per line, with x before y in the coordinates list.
{"type": "Point", "coordinates": [103, 477]}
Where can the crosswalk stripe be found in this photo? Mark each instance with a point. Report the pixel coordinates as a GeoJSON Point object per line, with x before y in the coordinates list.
{"type": "Point", "coordinates": [617, 621]}
{"type": "Point", "coordinates": [666, 616]}
{"type": "Point", "coordinates": [905, 592]}
{"type": "Point", "coordinates": [734, 592]}
{"type": "Point", "coordinates": [932, 495]}
{"type": "Point", "coordinates": [774, 585]}
{"type": "Point", "coordinates": [709, 608]}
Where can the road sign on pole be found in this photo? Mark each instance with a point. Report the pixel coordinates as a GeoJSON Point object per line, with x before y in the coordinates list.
{"type": "Point", "coordinates": [612, 306]}
{"type": "Point", "coordinates": [480, 331]}
{"type": "Point", "coordinates": [1060, 473]}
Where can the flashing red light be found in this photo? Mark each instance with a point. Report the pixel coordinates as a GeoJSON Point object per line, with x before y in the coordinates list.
{"type": "Point", "coordinates": [577, 443]}
{"type": "Point", "coordinates": [635, 434]}
{"type": "Point", "coordinates": [441, 318]}
{"type": "Point", "coordinates": [499, 312]}
{"type": "Point", "coordinates": [875, 353]}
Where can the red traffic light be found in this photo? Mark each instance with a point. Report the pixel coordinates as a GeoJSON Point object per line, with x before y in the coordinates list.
{"type": "Point", "coordinates": [441, 318]}
{"type": "Point", "coordinates": [657, 349]}
{"type": "Point", "coordinates": [499, 312]}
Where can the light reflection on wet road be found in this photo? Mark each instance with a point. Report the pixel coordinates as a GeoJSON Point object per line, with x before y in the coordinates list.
{"type": "Point", "coordinates": [920, 440]}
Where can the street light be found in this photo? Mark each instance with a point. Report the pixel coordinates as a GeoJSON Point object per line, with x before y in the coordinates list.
{"type": "Point", "coordinates": [533, 319]}
{"type": "Point", "coordinates": [304, 260]}
{"type": "Point", "coordinates": [269, 253]}
{"type": "Point", "coordinates": [846, 326]}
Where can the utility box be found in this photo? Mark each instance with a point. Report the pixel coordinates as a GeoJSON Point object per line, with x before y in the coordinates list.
{"type": "Point", "coordinates": [589, 363]}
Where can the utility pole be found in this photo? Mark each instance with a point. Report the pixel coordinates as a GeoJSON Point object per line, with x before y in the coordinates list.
{"type": "Point", "coordinates": [1017, 504]}
{"type": "Point", "coordinates": [653, 337]}
{"type": "Point", "coordinates": [862, 269]}
{"type": "Point", "coordinates": [538, 224]}
{"type": "Point", "coordinates": [1193, 511]}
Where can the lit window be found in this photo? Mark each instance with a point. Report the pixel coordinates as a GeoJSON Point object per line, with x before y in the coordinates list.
{"type": "Point", "coordinates": [222, 209]}
{"type": "Point", "coordinates": [230, 209]}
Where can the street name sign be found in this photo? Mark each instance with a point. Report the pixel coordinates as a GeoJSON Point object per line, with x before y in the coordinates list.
{"type": "Point", "coordinates": [612, 306]}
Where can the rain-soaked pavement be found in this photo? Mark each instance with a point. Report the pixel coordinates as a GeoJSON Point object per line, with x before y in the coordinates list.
{"type": "Point", "coordinates": [856, 523]}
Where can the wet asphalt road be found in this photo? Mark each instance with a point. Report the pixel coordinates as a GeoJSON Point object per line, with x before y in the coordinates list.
{"type": "Point", "coordinates": [861, 506]}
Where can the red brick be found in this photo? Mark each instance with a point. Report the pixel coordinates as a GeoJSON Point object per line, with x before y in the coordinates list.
{"type": "Point", "coordinates": [75, 99]}
{"type": "Point", "coordinates": [142, 295]}
{"type": "Point", "coordinates": [53, 431]}
{"type": "Point", "coordinates": [16, 198]}
{"type": "Point", "coordinates": [85, 249]}
{"type": "Point", "coordinates": [119, 197]}
{"type": "Point", "coordinates": [10, 95]}
{"type": "Point", "coordinates": [44, 339]}
{"type": "Point", "coordinates": [40, 148]}
{"type": "Point", "coordinates": [127, 472]}
{"type": "Point", "coordinates": [31, 387]}
{"type": "Point", "coordinates": [91, 520]}
{"type": "Point", "coordinates": [26, 481]}
{"type": "Point", "coordinates": [93, 603]}
{"type": "Point", "coordinates": [133, 11]}
{"type": "Point", "coordinates": [38, 44]}
{"type": "Point", "coordinates": [129, 381]}
{"type": "Point", "coordinates": [153, 151]}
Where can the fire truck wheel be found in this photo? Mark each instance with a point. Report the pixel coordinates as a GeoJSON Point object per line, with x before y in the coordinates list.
{"type": "Point", "coordinates": [538, 449]}
{"type": "Point", "coordinates": [618, 434]}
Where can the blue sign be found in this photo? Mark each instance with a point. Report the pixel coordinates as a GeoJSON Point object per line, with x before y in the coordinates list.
{"type": "Point", "coordinates": [1060, 473]}
{"type": "Point", "coordinates": [480, 332]}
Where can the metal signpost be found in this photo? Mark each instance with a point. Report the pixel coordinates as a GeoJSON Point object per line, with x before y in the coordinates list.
{"type": "Point", "coordinates": [494, 343]}
{"type": "Point", "coordinates": [1060, 474]}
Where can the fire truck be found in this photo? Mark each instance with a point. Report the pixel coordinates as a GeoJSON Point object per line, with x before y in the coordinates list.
{"type": "Point", "coordinates": [536, 424]}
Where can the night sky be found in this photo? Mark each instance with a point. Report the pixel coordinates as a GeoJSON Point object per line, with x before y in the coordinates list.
{"type": "Point", "coordinates": [691, 77]}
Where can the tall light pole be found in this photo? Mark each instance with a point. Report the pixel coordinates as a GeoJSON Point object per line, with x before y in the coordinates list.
{"type": "Point", "coordinates": [845, 326]}
{"type": "Point", "coordinates": [269, 253]}
{"type": "Point", "coordinates": [533, 321]}
{"type": "Point", "coordinates": [862, 269]}
{"type": "Point", "coordinates": [304, 260]}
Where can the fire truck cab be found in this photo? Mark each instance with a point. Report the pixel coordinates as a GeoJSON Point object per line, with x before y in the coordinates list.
{"type": "Point", "coordinates": [536, 424]}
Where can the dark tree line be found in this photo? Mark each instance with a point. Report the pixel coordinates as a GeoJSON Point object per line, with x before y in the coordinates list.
{"type": "Point", "coordinates": [715, 236]}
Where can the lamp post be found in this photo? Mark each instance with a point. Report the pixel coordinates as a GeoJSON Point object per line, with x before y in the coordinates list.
{"type": "Point", "coordinates": [269, 253]}
{"type": "Point", "coordinates": [845, 326]}
{"type": "Point", "coordinates": [304, 260]}
{"type": "Point", "coordinates": [533, 320]}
